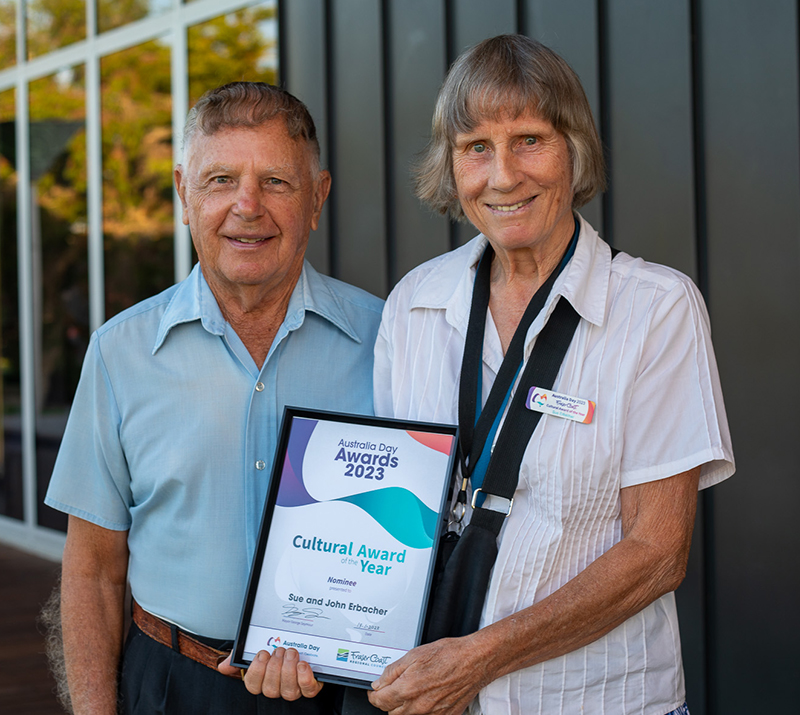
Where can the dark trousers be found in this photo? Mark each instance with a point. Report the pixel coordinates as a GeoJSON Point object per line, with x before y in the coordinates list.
{"type": "Point", "coordinates": [158, 681]}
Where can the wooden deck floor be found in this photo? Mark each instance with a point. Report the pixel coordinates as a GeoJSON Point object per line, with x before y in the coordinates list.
{"type": "Point", "coordinates": [26, 686]}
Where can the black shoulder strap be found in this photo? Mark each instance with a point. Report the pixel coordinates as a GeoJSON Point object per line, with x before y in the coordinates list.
{"type": "Point", "coordinates": [502, 475]}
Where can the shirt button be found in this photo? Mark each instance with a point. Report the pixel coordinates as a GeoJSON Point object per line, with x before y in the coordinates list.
{"type": "Point", "coordinates": [260, 464]}
{"type": "Point", "coordinates": [259, 387]}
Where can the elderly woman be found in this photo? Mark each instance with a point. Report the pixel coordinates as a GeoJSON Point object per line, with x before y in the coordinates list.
{"type": "Point", "coordinates": [580, 615]}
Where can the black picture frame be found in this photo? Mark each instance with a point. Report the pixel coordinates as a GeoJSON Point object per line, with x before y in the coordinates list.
{"type": "Point", "coordinates": [390, 503]}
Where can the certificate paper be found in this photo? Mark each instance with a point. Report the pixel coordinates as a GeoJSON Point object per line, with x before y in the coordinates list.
{"type": "Point", "coordinates": [348, 540]}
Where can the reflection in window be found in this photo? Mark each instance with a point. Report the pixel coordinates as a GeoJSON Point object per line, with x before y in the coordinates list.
{"type": "Point", "coordinates": [8, 33]}
{"type": "Point", "coordinates": [115, 13]}
{"type": "Point", "coordinates": [11, 435]}
{"type": "Point", "coordinates": [60, 260]}
{"type": "Point", "coordinates": [54, 23]}
{"type": "Point", "coordinates": [137, 174]}
{"type": "Point", "coordinates": [239, 46]}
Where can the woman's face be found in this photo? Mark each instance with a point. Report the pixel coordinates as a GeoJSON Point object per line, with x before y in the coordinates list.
{"type": "Point", "coordinates": [514, 181]}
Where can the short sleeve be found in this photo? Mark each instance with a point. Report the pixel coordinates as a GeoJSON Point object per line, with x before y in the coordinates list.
{"type": "Point", "coordinates": [91, 478]}
{"type": "Point", "coordinates": [676, 417]}
{"type": "Point", "coordinates": [382, 370]}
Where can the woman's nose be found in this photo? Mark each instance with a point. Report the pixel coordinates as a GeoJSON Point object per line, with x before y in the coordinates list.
{"type": "Point", "coordinates": [504, 174]}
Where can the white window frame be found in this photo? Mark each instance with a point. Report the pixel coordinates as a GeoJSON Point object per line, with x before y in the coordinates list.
{"type": "Point", "coordinates": [172, 27]}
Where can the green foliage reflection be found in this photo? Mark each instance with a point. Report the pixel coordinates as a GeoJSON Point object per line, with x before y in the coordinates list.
{"type": "Point", "coordinates": [53, 24]}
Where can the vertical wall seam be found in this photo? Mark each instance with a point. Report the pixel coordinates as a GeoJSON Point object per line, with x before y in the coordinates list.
{"type": "Point", "coordinates": [450, 55]}
{"type": "Point", "coordinates": [522, 18]}
{"type": "Point", "coordinates": [282, 35]}
{"type": "Point", "coordinates": [390, 185]}
{"type": "Point", "coordinates": [604, 98]}
{"type": "Point", "coordinates": [330, 111]}
{"type": "Point", "coordinates": [708, 580]}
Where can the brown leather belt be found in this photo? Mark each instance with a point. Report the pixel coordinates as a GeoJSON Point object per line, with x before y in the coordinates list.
{"type": "Point", "coordinates": [177, 640]}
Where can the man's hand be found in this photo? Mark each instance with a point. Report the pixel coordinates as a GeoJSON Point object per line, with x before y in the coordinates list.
{"type": "Point", "coordinates": [437, 678]}
{"type": "Point", "coordinates": [280, 675]}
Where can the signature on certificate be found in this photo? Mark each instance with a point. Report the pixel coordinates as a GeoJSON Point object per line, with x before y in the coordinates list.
{"type": "Point", "coordinates": [308, 613]}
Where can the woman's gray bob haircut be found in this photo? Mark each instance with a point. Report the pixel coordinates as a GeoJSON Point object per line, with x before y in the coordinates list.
{"type": "Point", "coordinates": [250, 104]}
{"type": "Point", "coordinates": [509, 75]}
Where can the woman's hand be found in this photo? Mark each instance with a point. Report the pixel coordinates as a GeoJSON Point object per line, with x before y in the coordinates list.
{"type": "Point", "coordinates": [280, 675]}
{"type": "Point", "coordinates": [440, 678]}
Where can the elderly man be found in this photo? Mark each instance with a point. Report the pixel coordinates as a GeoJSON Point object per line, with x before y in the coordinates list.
{"type": "Point", "coordinates": [167, 456]}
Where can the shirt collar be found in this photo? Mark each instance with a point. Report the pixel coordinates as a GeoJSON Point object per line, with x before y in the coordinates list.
{"type": "Point", "coordinates": [193, 300]}
{"type": "Point", "coordinates": [583, 282]}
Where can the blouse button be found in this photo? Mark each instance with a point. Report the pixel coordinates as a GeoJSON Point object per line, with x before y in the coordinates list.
{"type": "Point", "coordinates": [260, 464]}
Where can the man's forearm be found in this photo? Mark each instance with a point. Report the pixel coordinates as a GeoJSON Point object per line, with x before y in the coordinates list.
{"type": "Point", "coordinates": [92, 598]}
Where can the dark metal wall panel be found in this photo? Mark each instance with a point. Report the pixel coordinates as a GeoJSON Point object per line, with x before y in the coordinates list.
{"type": "Point", "coordinates": [475, 20]}
{"type": "Point", "coordinates": [417, 55]}
{"type": "Point", "coordinates": [705, 158]}
{"type": "Point", "coordinates": [356, 91]}
{"type": "Point", "coordinates": [304, 75]}
{"type": "Point", "coordinates": [750, 68]}
{"type": "Point", "coordinates": [650, 131]}
{"type": "Point", "coordinates": [569, 27]}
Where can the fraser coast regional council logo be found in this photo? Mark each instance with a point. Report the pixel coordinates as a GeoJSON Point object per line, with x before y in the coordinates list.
{"type": "Point", "coordinates": [342, 654]}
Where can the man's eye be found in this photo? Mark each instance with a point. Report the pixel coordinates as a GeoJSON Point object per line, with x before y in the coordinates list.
{"type": "Point", "coordinates": [479, 148]}
{"type": "Point", "coordinates": [530, 141]}
{"type": "Point", "coordinates": [220, 179]}
{"type": "Point", "coordinates": [275, 182]}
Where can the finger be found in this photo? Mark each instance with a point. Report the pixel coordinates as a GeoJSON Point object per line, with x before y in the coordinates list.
{"type": "Point", "coordinates": [383, 702]}
{"type": "Point", "coordinates": [290, 690]}
{"type": "Point", "coordinates": [255, 673]}
{"type": "Point", "coordinates": [389, 675]}
{"type": "Point", "coordinates": [271, 684]}
{"type": "Point", "coordinates": [309, 685]}
{"type": "Point", "coordinates": [226, 668]}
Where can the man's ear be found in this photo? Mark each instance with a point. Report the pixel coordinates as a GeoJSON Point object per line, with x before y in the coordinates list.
{"type": "Point", "coordinates": [180, 187]}
{"type": "Point", "coordinates": [323, 189]}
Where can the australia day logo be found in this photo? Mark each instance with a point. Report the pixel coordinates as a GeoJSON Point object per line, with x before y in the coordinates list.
{"type": "Point", "coordinates": [342, 654]}
{"type": "Point", "coordinates": [274, 642]}
{"type": "Point", "coordinates": [537, 398]}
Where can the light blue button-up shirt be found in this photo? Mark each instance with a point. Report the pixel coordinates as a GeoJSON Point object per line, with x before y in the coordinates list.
{"type": "Point", "coordinates": [173, 431]}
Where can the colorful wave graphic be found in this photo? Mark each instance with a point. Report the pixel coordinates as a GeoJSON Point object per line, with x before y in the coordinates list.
{"type": "Point", "coordinates": [399, 511]}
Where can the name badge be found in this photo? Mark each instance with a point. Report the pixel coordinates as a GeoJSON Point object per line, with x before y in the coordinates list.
{"type": "Point", "coordinates": [554, 403]}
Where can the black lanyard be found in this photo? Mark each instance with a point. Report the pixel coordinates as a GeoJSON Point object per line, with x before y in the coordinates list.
{"type": "Point", "coordinates": [546, 358]}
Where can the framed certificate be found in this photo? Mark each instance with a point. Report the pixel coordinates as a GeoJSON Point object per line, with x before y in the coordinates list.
{"type": "Point", "coordinates": [348, 541]}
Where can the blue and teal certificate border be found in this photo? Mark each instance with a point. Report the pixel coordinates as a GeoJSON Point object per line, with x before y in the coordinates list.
{"type": "Point", "coordinates": [389, 492]}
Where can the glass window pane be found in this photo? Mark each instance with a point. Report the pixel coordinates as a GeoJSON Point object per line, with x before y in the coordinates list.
{"type": "Point", "coordinates": [60, 260]}
{"type": "Point", "coordinates": [8, 33]}
{"type": "Point", "coordinates": [137, 174]}
{"type": "Point", "coordinates": [11, 435]}
{"type": "Point", "coordinates": [242, 45]}
{"type": "Point", "coordinates": [115, 13]}
{"type": "Point", "coordinates": [54, 23]}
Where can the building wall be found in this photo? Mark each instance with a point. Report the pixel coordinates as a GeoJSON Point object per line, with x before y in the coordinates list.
{"type": "Point", "coordinates": [697, 102]}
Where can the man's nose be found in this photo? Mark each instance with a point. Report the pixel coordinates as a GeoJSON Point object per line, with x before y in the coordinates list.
{"type": "Point", "coordinates": [249, 204]}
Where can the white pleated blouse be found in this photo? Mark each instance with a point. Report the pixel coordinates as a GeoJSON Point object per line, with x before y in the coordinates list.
{"type": "Point", "coordinates": [642, 352]}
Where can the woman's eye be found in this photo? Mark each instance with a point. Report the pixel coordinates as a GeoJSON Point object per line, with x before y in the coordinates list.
{"type": "Point", "coordinates": [530, 141]}
{"type": "Point", "coordinates": [479, 148]}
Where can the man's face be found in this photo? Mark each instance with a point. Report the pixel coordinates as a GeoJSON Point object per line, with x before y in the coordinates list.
{"type": "Point", "coordinates": [250, 196]}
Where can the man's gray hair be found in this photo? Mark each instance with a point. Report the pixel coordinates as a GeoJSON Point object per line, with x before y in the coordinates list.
{"type": "Point", "coordinates": [250, 104]}
{"type": "Point", "coordinates": [509, 75]}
